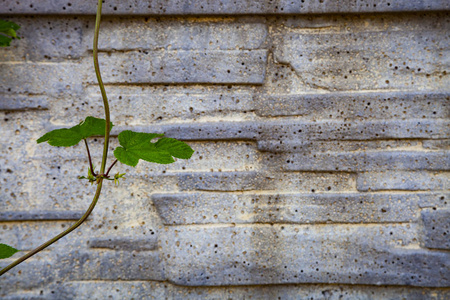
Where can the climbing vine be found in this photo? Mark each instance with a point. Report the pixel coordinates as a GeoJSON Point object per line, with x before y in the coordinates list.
{"type": "Point", "coordinates": [134, 146]}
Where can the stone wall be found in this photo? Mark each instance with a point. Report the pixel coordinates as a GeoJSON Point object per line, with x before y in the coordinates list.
{"type": "Point", "coordinates": [322, 138]}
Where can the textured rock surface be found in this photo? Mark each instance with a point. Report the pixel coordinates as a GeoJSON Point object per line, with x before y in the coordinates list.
{"type": "Point", "coordinates": [322, 166]}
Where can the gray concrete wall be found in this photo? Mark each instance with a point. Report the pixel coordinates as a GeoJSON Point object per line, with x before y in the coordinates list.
{"type": "Point", "coordinates": [322, 138]}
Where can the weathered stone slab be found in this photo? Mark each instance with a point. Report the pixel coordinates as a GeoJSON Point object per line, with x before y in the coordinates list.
{"type": "Point", "coordinates": [292, 129]}
{"type": "Point", "coordinates": [356, 105]}
{"type": "Point", "coordinates": [200, 131]}
{"type": "Point", "coordinates": [187, 7]}
{"type": "Point", "coordinates": [124, 244]}
{"type": "Point", "coordinates": [28, 235]}
{"type": "Point", "coordinates": [180, 66]}
{"type": "Point", "coordinates": [40, 78]}
{"type": "Point", "coordinates": [152, 289]}
{"type": "Point", "coordinates": [175, 34]}
{"type": "Point", "coordinates": [40, 215]}
{"type": "Point", "coordinates": [412, 181]}
{"type": "Point", "coordinates": [21, 102]}
{"type": "Point", "coordinates": [367, 161]}
{"type": "Point", "coordinates": [309, 147]}
{"type": "Point", "coordinates": [47, 39]}
{"type": "Point", "coordinates": [45, 269]}
{"type": "Point", "coordinates": [253, 180]}
{"type": "Point", "coordinates": [42, 272]}
{"type": "Point", "coordinates": [271, 254]}
{"type": "Point", "coordinates": [225, 181]}
{"type": "Point", "coordinates": [436, 231]}
{"type": "Point", "coordinates": [113, 265]}
{"type": "Point", "coordinates": [361, 58]}
{"type": "Point", "coordinates": [131, 103]}
{"type": "Point", "coordinates": [217, 208]}
{"type": "Point", "coordinates": [437, 144]}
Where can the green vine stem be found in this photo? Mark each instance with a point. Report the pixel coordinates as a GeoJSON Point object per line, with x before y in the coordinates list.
{"type": "Point", "coordinates": [104, 157]}
{"type": "Point", "coordinates": [102, 88]}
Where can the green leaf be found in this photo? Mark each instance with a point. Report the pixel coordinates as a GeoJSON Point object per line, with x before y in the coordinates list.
{"type": "Point", "coordinates": [7, 251]}
{"type": "Point", "coordinates": [67, 137]}
{"type": "Point", "coordinates": [5, 41]}
{"type": "Point", "coordinates": [138, 145]}
{"type": "Point", "coordinates": [175, 147]}
{"type": "Point", "coordinates": [9, 29]}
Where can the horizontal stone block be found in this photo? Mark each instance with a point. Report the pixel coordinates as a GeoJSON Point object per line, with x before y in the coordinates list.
{"type": "Point", "coordinates": [412, 181]}
{"type": "Point", "coordinates": [40, 78]}
{"type": "Point", "coordinates": [313, 182]}
{"type": "Point", "coordinates": [39, 215]}
{"type": "Point", "coordinates": [165, 67]}
{"type": "Point", "coordinates": [362, 57]}
{"type": "Point", "coordinates": [32, 274]}
{"type": "Point", "coordinates": [176, 34]}
{"type": "Point", "coordinates": [225, 181]}
{"type": "Point", "coordinates": [124, 244]}
{"type": "Point", "coordinates": [201, 131]}
{"type": "Point", "coordinates": [20, 102]}
{"type": "Point", "coordinates": [290, 130]}
{"type": "Point", "coordinates": [135, 289]}
{"type": "Point", "coordinates": [37, 273]}
{"type": "Point", "coordinates": [47, 38]}
{"type": "Point", "coordinates": [113, 265]}
{"type": "Point", "coordinates": [437, 144]}
{"type": "Point", "coordinates": [436, 228]}
{"type": "Point", "coordinates": [356, 105]}
{"type": "Point", "coordinates": [299, 208]}
{"type": "Point", "coordinates": [367, 161]}
{"type": "Point", "coordinates": [274, 254]}
{"type": "Point", "coordinates": [252, 180]}
{"type": "Point", "coordinates": [26, 235]}
{"type": "Point", "coordinates": [90, 289]}
{"type": "Point", "coordinates": [308, 147]}
{"type": "Point", "coordinates": [217, 7]}
{"type": "Point", "coordinates": [133, 103]}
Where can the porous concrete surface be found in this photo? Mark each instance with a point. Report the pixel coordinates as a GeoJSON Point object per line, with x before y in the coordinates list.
{"type": "Point", "coordinates": [321, 132]}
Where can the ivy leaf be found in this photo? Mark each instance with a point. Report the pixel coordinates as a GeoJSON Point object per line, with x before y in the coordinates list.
{"type": "Point", "coordinates": [67, 137]}
{"type": "Point", "coordinates": [138, 145]}
{"type": "Point", "coordinates": [7, 251]}
{"type": "Point", "coordinates": [9, 29]}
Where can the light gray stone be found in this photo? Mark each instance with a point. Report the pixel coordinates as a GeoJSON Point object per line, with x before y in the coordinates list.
{"type": "Point", "coordinates": [362, 57]}
{"type": "Point", "coordinates": [47, 39]}
{"type": "Point", "coordinates": [163, 290]}
{"type": "Point", "coordinates": [402, 180]}
{"type": "Point", "coordinates": [180, 66]}
{"type": "Point", "coordinates": [215, 208]}
{"type": "Point", "coordinates": [40, 78]}
{"type": "Point", "coordinates": [135, 103]}
{"type": "Point", "coordinates": [20, 102]}
{"type": "Point", "coordinates": [350, 230]}
{"type": "Point", "coordinates": [124, 244]}
{"type": "Point", "coordinates": [356, 105]}
{"type": "Point", "coordinates": [307, 147]}
{"type": "Point", "coordinates": [292, 129]}
{"type": "Point", "coordinates": [262, 254]}
{"type": "Point", "coordinates": [187, 7]}
{"type": "Point", "coordinates": [169, 34]}
{"type": "Point", "coordinates": [436, 228]}
{"type": "Point", "coordinates": [367, 161]}
{"type": "Point", "coordinates": [225, 181]}
{"type": "Point", "coordinates": [40, 215]}
{"type": "Point", "coordinates": [437, 144]}
{"type": "Point", "coordinates": [112, 265]}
